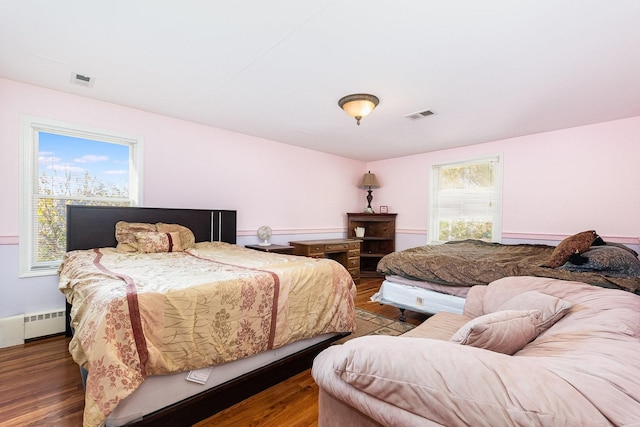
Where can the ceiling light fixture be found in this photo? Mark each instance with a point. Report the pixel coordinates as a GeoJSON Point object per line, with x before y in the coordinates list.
{"type": "Point", "coordinates": [358, 105]}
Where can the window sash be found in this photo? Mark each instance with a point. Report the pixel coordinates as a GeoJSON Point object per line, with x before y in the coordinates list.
{"type": "Point", "coordinates": [465, 206]}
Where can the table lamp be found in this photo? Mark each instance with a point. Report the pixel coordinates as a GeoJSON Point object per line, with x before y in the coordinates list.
{"type": "Point", "coordinates": [369, 181]}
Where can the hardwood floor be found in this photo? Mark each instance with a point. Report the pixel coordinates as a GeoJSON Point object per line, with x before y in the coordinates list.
{"type": "Point", "coordinates": [40, 385]}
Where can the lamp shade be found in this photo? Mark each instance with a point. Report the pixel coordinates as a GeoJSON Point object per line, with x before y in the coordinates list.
{"type": "Point", "coordinates": [369, 181]}
{"type": "Point", "coordinates": [358, 105]}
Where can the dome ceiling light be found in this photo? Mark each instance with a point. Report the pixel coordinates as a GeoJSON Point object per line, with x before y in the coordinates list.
{"type": "Point", "coordinates": [358, 105]}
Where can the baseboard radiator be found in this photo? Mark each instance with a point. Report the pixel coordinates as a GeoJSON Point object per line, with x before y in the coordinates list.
{"type": "Point", "coordinates": [43, 324]}
{"type": "Point", "coordinates": [16, 329]}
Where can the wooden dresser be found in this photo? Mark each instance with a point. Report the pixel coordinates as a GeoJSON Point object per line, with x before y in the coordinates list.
{"type": "Point", "coordinates": [344, 251]}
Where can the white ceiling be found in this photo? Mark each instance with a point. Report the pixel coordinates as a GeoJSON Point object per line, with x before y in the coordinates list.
{"type": "Point", "coordinates": [488, 69]}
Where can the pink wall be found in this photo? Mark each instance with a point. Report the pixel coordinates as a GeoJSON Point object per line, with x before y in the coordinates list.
{"type": "Point", "coordinates": [555, 183]}
{"type": "Point", "coordinates": [195, 166]}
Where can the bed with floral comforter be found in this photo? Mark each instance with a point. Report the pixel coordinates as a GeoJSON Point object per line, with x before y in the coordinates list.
{"type": "Point", "coordinates": [141, 314]}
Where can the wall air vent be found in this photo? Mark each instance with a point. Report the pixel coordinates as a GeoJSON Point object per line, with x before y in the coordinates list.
{"type": "Point", "coordinates": [419, 114]}
{"type": "Point", "coordinates": [81, 80]}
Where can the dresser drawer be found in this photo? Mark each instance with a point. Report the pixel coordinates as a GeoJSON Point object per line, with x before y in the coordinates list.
{"type": "Point", "coordinates": [314, 251]}
{"type": "Point", "coordinates": [338, 247]}
{"type": "Point", "coordinates": [353, 263]}
{"type": "Point", "coordinates": [355, 273]}
{"type": "Point", "coordinates": [354, 245]}
{"type": "Point", "coordinates": [354, 253]}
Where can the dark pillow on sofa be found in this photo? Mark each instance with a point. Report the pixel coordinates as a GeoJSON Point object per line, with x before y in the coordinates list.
{"type": "Point", "coordinates": [578, 243]}
{"type": "Point", "coordinates": [611, 261]}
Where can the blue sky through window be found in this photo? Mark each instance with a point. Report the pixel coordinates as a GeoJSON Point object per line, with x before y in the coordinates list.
{"type": "Point", "coordinates": [59, 155]}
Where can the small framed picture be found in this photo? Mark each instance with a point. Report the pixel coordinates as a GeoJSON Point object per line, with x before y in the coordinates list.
{"type": "Point", "coordinates": [384, 209]}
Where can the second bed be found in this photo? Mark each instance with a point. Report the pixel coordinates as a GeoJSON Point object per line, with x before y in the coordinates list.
{"type": "Point", "coordinates": [434, 278]}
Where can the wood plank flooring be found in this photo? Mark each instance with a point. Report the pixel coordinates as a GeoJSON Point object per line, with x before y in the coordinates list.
{"type": "Point", "coordinates": [40, 385]}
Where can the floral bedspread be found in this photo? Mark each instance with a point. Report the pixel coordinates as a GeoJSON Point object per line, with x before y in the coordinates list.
{"type": "Point", "coordinates": [136, 315]}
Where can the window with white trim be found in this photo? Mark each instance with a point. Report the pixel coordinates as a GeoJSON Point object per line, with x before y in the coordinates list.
{"type": "Point", "coordinates": [466, 200]}
{"type": "Point", "coordinates": [66, 164]}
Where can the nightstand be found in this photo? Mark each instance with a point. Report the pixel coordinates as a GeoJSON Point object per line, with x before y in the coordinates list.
{"type": "Point", "coordinates": [279, 249]}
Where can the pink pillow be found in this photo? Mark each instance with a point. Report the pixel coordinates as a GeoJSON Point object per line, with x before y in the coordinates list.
{"type": "Point", "coordinates": [552, 308]}
{"type": "Point", "coordinates": [505, 331]}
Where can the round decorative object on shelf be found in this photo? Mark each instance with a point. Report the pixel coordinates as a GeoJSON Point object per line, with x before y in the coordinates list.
{"type": "Point", "coordinates": [264, 233]}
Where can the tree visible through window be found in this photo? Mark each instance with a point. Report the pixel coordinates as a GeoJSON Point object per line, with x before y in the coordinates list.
{"type": "Point", "coordinates": [70, 166]}
{"type": "Point", "coordinates": [465, 201]}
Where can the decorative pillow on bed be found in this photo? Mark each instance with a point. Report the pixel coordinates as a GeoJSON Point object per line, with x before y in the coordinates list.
{"type": "Point", "coordinates": [187, 239]}
{"type": "Point", "coordinates": [551, 308]}
{"type": "Point", "coordinates": [612, 261]}
{"type": "Point", "coordinates": [506, 331]}
{"type": "Point", "coordinates": [576, 244]}
{"type": "Point", "coordinates": [155, 242]}
{"type": "Point", "coordinates": [622, 246]}
{"type": "Point", "coordinates": [125, 234]}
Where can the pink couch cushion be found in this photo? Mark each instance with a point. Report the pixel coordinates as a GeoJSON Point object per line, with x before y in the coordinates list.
{"type": "Point", "coordinates": [395, 379]}
{"type": "Point", "coordinates": [503, 331]}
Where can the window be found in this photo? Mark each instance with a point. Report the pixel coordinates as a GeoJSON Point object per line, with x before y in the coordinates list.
{"type": "Point", "coordinates": [465, 200]}
{"type": "Point", "coordinates": [66, 164]}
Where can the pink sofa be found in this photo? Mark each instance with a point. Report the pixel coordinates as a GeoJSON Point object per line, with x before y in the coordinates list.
{"type": "Point", "coordinates": [582, 369]}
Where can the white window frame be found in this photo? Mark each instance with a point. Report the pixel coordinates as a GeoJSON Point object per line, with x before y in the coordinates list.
{"type": "Point", "coordinates": [29, 130]}
{"type": "Point", "coordinates": [433, 229]}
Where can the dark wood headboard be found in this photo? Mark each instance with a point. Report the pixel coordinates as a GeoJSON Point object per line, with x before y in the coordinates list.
{"type": "Point", "coordinates": [91, 227]}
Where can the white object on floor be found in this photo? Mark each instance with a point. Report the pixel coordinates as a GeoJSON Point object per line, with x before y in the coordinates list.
{"type": "Point", "coordinates": [417, 299]}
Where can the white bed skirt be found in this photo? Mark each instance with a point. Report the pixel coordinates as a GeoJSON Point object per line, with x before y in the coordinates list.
{"type": "Point", "coordinates": [417, 299]}
{"type": "Point", "coordinates": [159, 391]}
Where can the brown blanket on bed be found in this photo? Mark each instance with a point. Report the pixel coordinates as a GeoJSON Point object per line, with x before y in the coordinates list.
{"type": "Point", "coordinates": [475, 262]}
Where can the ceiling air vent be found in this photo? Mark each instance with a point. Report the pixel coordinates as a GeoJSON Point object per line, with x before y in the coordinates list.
{"type": "Point", "coordinates": [81, 80]}
{"type": "Point", "coordinates": [419, 114]}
